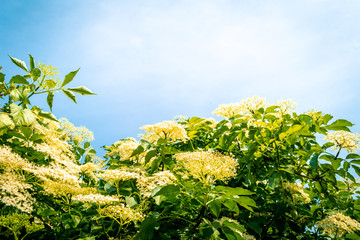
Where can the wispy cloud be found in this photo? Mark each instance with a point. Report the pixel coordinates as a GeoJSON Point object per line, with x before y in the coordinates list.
{"type": "Point", "coordinates": [218, 51]}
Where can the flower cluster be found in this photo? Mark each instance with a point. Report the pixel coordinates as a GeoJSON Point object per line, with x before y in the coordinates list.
{"type": "Point", "coordinates": [338, 224]}
{"type": "Point", "coordinates": [11, 161]}
{"type": "Point", "coordinates": [16, 222]}
{"type": "Point", "coordinates": [96, 198]}
{"type": "Point", "coordinates": [245, 106]}
{"type": "Point", "coordinates": [344, 140]}
{"type": "Point", "coordinates": [208, 166]}
{"type": "Point", "coordinates": [121, 213]}
{"type": "Point", "coordinates": [123, 148]}
{"type": "Point", "coordinates": [297, 192]}
{"type": "Point", "coordinates": [147, 184]}
{"type": "Point", "coordinates": [48, 70]}
{"type": "Point", "coordinates": [285, 107]}
{"type": "Point", "coordinates": [169, 130]}
{"type": "Point", "coordinates": [117, 175]}
{"type": "Point", "coordinates": [75, 134]}
{"type": "Point", "coordinates": [14, 191]}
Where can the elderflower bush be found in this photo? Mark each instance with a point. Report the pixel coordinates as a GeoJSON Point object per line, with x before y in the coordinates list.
{"type": "Point", "coordinates": [258, 172]}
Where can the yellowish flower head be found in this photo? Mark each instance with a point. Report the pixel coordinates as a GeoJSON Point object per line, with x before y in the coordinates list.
{"type": "Point", "coordinates": [285, 107]}
{"type": "Point", "coordinates": [117, 175]}
{"type": "Point", "coordinates": [124, 148]}
{"type": "Point", "coordinates": [245, 106]}
{"type": "Point", "coordinates": [96, 198]}
{"type": "Point", "coordinates": [48, 70]}
{"type": "Point", "coordinates": [121, 213]}
{"type": "Point", "coordinates": [75, 134]}
{"type": "Point", "coordinates": [207, 166]}
{"type": "Point", "coordinates": [169, 130]}
{"type": "Point", "coordinates": [147, 184]}
{"type": "Point", "coordinates": [338, 224]}
{"type": "Point", "coordinates": [344, 140]}
{"type": "Point", "coordinates": [14, 191]}
{"type": "Point", "coordinates": [297, 192]}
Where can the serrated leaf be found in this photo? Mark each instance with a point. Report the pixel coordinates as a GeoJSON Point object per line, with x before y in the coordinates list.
{"type": "Point", "coordinates": [149, 155]}
{"type": "Point", "coordinates": [26, 131]}
{"type": "Point", "coordinates": [47, 115]}
{"type": "Point", "coordinates": [5, 121]}
{"type": "Point", "coordinates": [166, 190]}
{"type": "Point", "coordinates": [19, 63]}
{"type": "Point", "coordinates": [20, 116]}
{"type": "Point", "coordinates": [69, 77]}
{"type": "Point", "coordinates": [340, 124]}
{"type": "Point", "coordinates": [32, 62]}
{"type": "Point", "coordinates": [357, 169]}
{"type": "Point", "coordinates": [82, 90]}
{"type": "Point", "coordinates": [69, 94]}
{"type": "Point", "coordinates": [50, 99]}
{"type": "Point", "coordinates": [137, 151]}
{"type": "Point", "coordinates": [18, 80]}
{"type": "Point", "coordinates": [215, 207]}
{"type": "Point", "coordinates": [36, 73]}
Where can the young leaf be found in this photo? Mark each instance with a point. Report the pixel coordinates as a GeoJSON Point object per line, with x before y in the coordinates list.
{"type": "Point", "coordinates": [50, 99]}
{"type": "Point", "coordinates": [47, 115]}
{"type": "Point", "coordinates": [69, 95]}
{"type": "Point", "coordinates": [19, 63]}
{"type": "Point", "coordinates": [32, 62]}
{"type": "Point", "coordinates": [82, 90]}
{"type": "Point", "coordinates": [5, 121]}
{"type": "Point", "coordinates": [69, 77]}
{"type": "Point", "coordinates": [18, 80]}
{"type": "Point", "coordinates": [21, 117]}
{"type": "Point", "coordinates": [26, 131]}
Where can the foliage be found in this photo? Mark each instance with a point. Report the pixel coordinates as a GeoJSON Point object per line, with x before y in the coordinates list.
{"type": "Point", "coordinates": [263, 172]}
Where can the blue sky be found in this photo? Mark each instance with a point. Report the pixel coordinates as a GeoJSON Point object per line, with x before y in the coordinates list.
{"type": "Point", "coordinates": [149, 61]}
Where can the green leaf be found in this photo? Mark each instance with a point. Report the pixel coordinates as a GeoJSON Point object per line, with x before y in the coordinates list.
{"type": "Point", "coordinates": [2, 77]}
{"type": "Point", "coordinates": [215, 207]}
{"type": "Point", "coordinates": [5, 121]}
{"type": "Point", "coordinates": [82, 90]}
{"type": "Point", "coordinates": [47, 115]}
{"type": "Point", "coordinates": [166, 190]}
{"type": "Point", "coordinates": [137, 151]}
{"type": "Point", "coordinates": [26, 131]}
{"type": "Point", "coordinates": [36, 137]}
{"type": "Point", "coordinates": [50, 99]}
{"type": "Point", "coordinates": [340, 124]}
{"type": "Point", "coordinates": [18, 80]}
{"type": "Point", "coordinates": [50, 83]}
{"type": "Point", "coordinates": [19, 63]}
{"type": "Point", "coordinates": [69, 77]}
{"type": "Point", "coordinates": [357, 169]}
{"type": "Point", "coordinates": [36, 73]}
{"type": "Point", "coordinates": [32, 62]}
{"type": "Point", "coordinates": [22, 117]}
{"type": "Point", "coordinates": [314, 161]}
{"type": "Point", "coordinates": [69, 94]}
{"type": "Point", "coordinates": [130, 201]}
{"type": "Point", "coordinates": [355, 162]}
{"type": "Point", "coordinates": [233, 191]}
{"type": "Point", "coordinates": [149, 155]}
{"type": "Point", "coordinates": [352, 156]}
{"type": "Point", "coordinates": [245, 202]}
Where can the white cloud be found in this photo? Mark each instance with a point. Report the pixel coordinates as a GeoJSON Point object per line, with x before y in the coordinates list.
{"type": "Point", "coordinates": [216, 51]}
